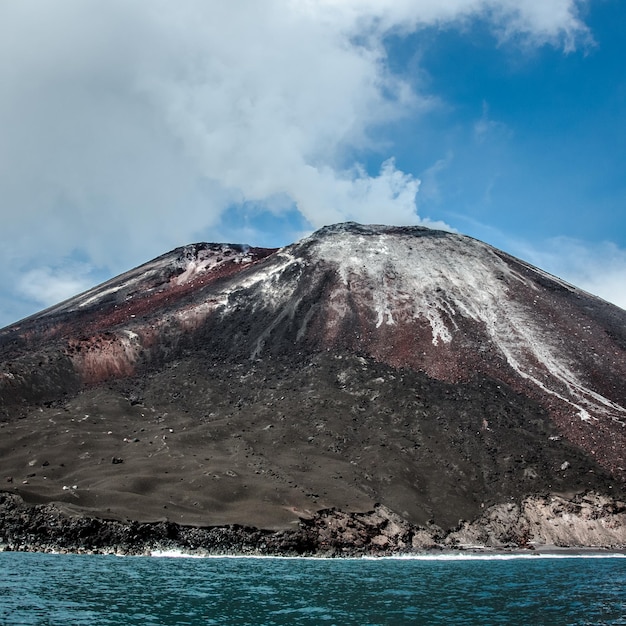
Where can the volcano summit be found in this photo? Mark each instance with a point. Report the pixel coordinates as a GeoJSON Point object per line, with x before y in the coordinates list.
{"type": "Point", "coordinates": [369, 389]}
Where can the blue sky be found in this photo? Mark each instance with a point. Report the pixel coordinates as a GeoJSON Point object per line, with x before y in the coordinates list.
{"type": "Point", "coordinates": [130, 127]}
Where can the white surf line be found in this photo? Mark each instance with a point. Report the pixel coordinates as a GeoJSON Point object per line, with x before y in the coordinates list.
{"type": "Point", "coordinates": [572, 553]}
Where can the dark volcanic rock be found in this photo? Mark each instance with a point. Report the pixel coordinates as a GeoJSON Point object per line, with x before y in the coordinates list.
{"type": "Point", "coordinates": [225, 386]}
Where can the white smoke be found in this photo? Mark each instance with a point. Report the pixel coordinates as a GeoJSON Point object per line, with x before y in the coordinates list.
{"type": "Point", "coordinates": [129, 126]}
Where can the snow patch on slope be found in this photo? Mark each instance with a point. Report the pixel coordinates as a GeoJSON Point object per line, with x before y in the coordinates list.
{"type": "Point", "coordinates": [133, 279]}
{"type": "Point", "coordinates": [269, 281]}
{"type": "Point", "coordinates": [441, 278]}
{"type": "Point", "coordinates": [183, 266]}
{"type": "Point", "coordinates": [208, 260]}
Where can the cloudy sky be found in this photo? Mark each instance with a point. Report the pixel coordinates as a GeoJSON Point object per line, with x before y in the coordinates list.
{"type": "Point", "coordinates": [130, 127]}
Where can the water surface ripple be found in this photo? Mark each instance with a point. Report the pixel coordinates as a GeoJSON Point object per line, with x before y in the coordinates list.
{"type": "Point", "coordinates": [44, 589]}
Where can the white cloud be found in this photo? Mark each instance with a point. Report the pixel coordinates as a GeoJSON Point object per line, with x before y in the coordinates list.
{"type": "Point", "coordinates": [598, 268]}
{"type": "Point", "coordinates": [47, 286]}
{"type": "Point", "coordinates": [485, 127]}
{"type": "Point", "coordinates": [129, 126]}
{"type": "Point", "coordinates": [539, 21]}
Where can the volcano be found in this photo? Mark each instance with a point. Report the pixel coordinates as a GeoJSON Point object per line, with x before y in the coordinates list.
{"type": "Point", "coordinates": [369, 388]}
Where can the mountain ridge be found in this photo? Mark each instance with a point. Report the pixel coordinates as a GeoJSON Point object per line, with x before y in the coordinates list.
{"type": "Point", "coordinates": [419, 370]}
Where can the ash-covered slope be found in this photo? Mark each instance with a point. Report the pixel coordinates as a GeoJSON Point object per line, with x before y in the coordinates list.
{"type": "Point", "coordinates": [223, 384]}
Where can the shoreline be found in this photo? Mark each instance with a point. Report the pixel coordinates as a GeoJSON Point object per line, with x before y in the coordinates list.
{"type": "Point", "coordinates": [329, 534]}
{"type": "Point", "coordinates": [476, 554]}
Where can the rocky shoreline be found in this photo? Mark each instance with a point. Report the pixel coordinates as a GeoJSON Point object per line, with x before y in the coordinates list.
{"type": "Point", "coordinates": [587, 522]}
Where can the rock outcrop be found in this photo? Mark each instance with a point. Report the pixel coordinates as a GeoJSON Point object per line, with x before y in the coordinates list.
{"type": "Point", "coordinates": [588, 521]}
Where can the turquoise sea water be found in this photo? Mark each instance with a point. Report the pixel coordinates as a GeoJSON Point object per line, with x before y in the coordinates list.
{"type": "Point", "coordinates": [74, 590]}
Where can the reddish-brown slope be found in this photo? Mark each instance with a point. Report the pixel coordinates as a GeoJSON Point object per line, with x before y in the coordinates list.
{"type": "Point", "coordinates": [417, 368]}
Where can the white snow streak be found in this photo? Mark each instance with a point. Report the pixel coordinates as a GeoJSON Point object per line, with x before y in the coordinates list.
{"type": "Point", "coordinates": [274, 289]}
{"type": "Point", "coordinates": [438, 279]}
